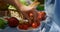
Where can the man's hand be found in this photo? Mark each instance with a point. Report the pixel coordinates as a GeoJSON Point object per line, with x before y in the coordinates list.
{"type": "Point", "coordinates": [28, 9]}
{"type": "Point", "coordinates": [25, 9]}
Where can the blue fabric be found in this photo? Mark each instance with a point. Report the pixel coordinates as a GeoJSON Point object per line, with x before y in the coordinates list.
{"type": "Point", "coordinates": [52, 8]}
{"type": "Point", "coordinates": [50, 25]}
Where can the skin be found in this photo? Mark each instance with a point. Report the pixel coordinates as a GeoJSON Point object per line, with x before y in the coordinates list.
{"type": "Point", "coordinates": [24, 9]}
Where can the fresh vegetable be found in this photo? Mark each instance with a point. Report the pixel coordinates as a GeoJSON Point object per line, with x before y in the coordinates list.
{"type": "Point", "coordinates": [34, 25]}
{"type": "Point", "coordinates": [23, 26]}
{"type": "Point", "coordinates": [3, 23]}
{"type": "Point", "coordinates": [41, 15]}
{"type": "Point", "coordinates": [31, 14]}
{"type": "Point", "coordinates": [13, 22]}
{"type": "Point", "coordinates": [40, 8]}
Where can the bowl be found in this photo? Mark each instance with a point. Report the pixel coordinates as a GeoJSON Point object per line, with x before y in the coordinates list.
{"type": "Point", "coordinates": [30, 29]}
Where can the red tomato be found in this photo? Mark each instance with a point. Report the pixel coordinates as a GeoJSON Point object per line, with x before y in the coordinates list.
{"type": "Point", "coordinates": [25, 27]}
{"type": "Point", "coordinates": [20, 26]}
{"type": "Point", "coordinates": [31, 14]}
{"type": "Point", "coordinates": [41, 15]}
{"type": "Point", "coordinates": [13, 22]}
{"type": "Point", "coordinates": [34, 25]}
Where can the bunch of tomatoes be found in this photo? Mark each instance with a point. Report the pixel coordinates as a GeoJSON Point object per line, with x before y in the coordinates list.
{"type": "Point", "coordinates": [33, 24]}
{"type": "Point", "coordinates": [13, 22]}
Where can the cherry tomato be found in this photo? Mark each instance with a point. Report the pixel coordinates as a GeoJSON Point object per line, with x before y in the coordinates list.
{"type": "Point", "coordinates": [13, 22]}
{"type": "Point", "coordinates": [31, 14]}
{"type": "Point", "coordinates": [41, 15]}
{"type": "Point", "coordinates": [25, 27]}
{"type": "Point", "coordinates": [20, 26]}
{"type": "Point", "coordinates": [34, 25]}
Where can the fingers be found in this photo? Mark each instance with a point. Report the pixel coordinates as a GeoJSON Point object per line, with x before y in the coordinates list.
{"type": "Point", "coordinates": [35, 14]}
{"type": "Point", "coordinates": [26, 16]}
